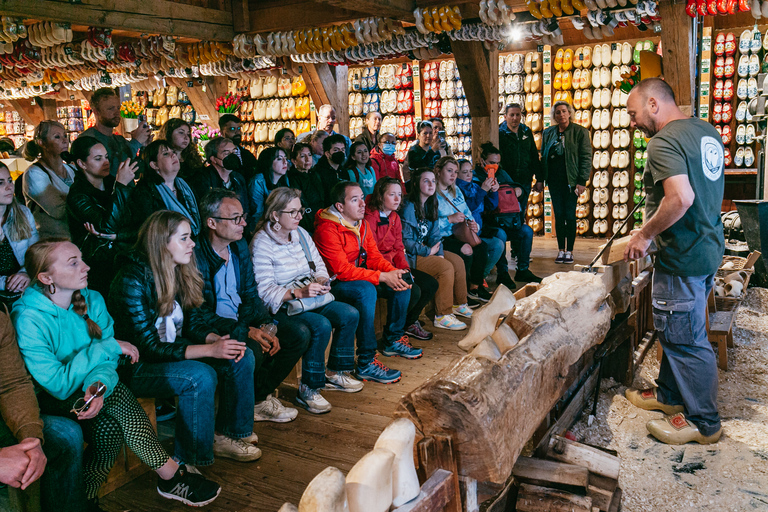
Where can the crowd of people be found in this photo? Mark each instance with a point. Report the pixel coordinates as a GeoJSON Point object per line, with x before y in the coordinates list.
{"type": "Point", "coordinates": [138, 269]}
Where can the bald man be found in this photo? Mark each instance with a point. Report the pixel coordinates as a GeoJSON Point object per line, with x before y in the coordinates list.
{"type": "Point", "coordinates": [326, 120]}
{"type": "Point", "coordinates": [683, 181]}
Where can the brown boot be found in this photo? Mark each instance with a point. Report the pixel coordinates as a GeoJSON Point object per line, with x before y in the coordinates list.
{"type": "Point", "coordinates": [677, 430]}
{"type": "Point", "coordinates": [646, 399]}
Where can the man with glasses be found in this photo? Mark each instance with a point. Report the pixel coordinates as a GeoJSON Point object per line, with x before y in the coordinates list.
{"type": "Point", "coordinates": [229, 124]}
{"type": "Point", "coordinates": [232, 306]}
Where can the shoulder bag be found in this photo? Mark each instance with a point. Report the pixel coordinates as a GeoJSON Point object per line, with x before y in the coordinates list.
{"type": "Point", "coordinates": [462, 230]}
{"type": "Point", "coordinates": [297, 306]}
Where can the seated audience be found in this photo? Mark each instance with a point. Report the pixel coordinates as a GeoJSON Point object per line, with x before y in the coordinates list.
{"type": "Point", "coordinates": [273, 167]}
{"type": "Point", "coordinates": [222, 171]}
{"type": "Point", "coordinates": [17, 234]}
{"type": "Point", "coordinates": [381, 215]}
{"type": "Point", "coordinates": [67, 341]}
{"type": "Point", "coordinates": [330, 165]}
{"type": "Point", "coordinates": [177, 133]}
{"type": "Point", "coordinates": [46, 182]}
{"type": "Point", "coordinates": [97, 208]}
{"type": "Point", "coordinates": [229, 124]}
{"type": "Point", "coordinates": [304, 178]}
{"type": "Point", "coordinates": [285, 139]}
{"type": "Point", "coordinates": [294, 283]}
{"type": "Point", "coordinates": [383, 158]}
{"type": "Point", "coordinates": [424, 249]}
{"type": "Point", "coordinates": [370, 133]}
{"type": "Point", "coordinates": [346, 243]}
{"type": "Point", "coordinates": [358, 168]}
{"type": "Point", "coordinates": [232, 306]}
{"type": "Point", "coordinates": [161, 188]}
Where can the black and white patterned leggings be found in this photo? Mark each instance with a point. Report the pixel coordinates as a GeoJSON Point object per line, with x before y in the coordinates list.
{"type": "Point", "coordinates": [120, 419]}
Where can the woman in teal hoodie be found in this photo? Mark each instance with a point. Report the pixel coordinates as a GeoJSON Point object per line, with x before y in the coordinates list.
{"type": "Point", "coordinates": [65, 335]}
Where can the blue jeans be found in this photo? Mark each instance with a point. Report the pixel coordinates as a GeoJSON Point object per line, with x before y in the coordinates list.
{"type": "Point", "coordinates": [496, 240]}
{"type": "Point", "coordinates": [362, 296]}
{"type": "Point", "coordinates": [688, 372]}
{"type": "Point", "coordinates": [337, 316]}
{"type": "Point", "coordinates": [194, 382]}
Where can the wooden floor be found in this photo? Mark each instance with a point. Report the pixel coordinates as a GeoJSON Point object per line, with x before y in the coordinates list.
{"type": "Point", "coordinates": [295, 452]}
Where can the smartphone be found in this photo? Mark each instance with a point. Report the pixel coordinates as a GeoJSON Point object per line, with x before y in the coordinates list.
{"type": "Point", "coordinates": [408, 278]}
{"type": "Point", "coordinates": [441, 134]}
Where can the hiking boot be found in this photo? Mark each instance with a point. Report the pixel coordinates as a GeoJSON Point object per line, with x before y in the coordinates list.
{"type": "Point", "coordinates": [418, 332]}
{"type": "Point", "coordinates": [449, 322]}
{"type": "Point", "coordinates": [189, 488]}
{"type": "Point", "coordinates": [463, 310]}
{"type": "Point", "coordinates": [647, 399]}
{"type": "Point", "coordinates": [526, 276]}
{"type": "Point", "coordinates": [312, 400]}
{"type": "Point", "coordinates": [236, 449]}
{"type": "Point", "coordinates": [678, 430]}
{"type": "Point", "coordinates": [342, 381]}
{"type": "Point", "coordinates": [560, 257]}
{"type": "Point", "coordinates": [402, 348]}
{"type": "Point", "coordinates": [375, 371]}
{"type": "Point", "coordinates": [272, 410]}
{"type": "Point", "coordinates": [503, 278]}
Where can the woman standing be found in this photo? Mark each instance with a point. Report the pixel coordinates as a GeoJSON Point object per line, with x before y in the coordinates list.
{"type": "Point", "coordinates": [46, 182]}
{"type": "Point", "coordinates": [66, 338]}
{"type": "Point", "coordinates": [381, 213]}
{"type": "Point", "coordinates": [370, 133]}
{"type": "Point", "coordinates": [17, 235]}
{"type": "Point", "coordinates": [424, 248]}
{"type": "Point", "coordinates": [425, 154]}
{"type": "Point", "coordinates": [272, 169]}
{"type": "Point", "coordinates": [177, 133]}
{"type": "Point", "coordinates": [288, 268]}
{"type": "Point", "coordinates": [358, 168]}
{"type": "Point", "coordinates": [566, 162]}
{"type": "Point", "coordinates": [97, 208]}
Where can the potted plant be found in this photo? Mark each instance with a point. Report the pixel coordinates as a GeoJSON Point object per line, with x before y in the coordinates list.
{"type": "Point", "coordinates": [130, 112]}
{"type": "Point", "coordinates": [228, 104]}
{"type": "Point", "coordinates": [202, 134]}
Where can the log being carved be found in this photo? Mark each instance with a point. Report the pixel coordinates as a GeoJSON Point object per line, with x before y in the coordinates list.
{"type": "Point", "coordinates": [492, 407]}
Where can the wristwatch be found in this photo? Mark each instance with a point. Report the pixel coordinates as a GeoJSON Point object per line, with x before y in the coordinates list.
{"type": "Point", "coordinates": [293, 294]}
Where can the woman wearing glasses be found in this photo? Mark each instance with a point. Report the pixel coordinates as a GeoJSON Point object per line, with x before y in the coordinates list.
{"type": "Point", "coordinates": [66, 338]}
{"type": "Point", "coordinates": [294, 283]}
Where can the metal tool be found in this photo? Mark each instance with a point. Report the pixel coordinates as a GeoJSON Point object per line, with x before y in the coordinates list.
{"type": "Point", "coordinates": [590, 267]}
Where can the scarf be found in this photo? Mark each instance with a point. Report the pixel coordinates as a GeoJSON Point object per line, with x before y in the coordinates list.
{"type": "Point", "coordinates": [188, 208]}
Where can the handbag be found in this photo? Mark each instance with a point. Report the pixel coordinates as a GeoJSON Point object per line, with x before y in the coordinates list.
{"type": "Point", "coordinates": [462, 230]}
{"type": "Point", "coordinates": [298, 306]}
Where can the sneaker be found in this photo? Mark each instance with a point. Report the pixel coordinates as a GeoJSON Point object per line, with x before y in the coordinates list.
{"type": "Point", "coordinates": [189, 488]}
{"type": "Point", "coordinates": [402, 348]}
{"type": "Point", "coordinates": [165, 411]}
{"type": "Point", "coordinates": [418, 332]}
{"type": "Point", "coordinates": [526, 276]}
{"type": "Point", "coordinates": [568, 258]}
{"type": "Point", "coordinates": [449, 322]}
{"type": "Point", "coordinates": [375, 371]}
{"type": "Point", "coordinates": [506, 281]}
{"type": "Point", "coordinates": [252, 439]}
{"type": "Point", "coordinates": [272, 410]}
{"type": "Point", "coordinates": [480, 293]}
{"type": "Point", "coordinates": [236, 449]}
{"type": "Point", "coordinates": [342, 381]}
{"type": "Point", "coordinates": [463, 310]}
{"type": "Point", "coordinates": [312, 400]}
{"type": "Point", "coordinates": [472, 303]}
{"type": "Point", "coordinates": [560, 257]}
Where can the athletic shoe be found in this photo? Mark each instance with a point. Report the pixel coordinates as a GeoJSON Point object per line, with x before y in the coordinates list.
{"type": "Point", "coordinates": [507, 281]}
{"type": "Point", "coordinates": [342, 381]}
{"type": "Point", "coordinates": [526, 276]}
{"type": "Point", "coordinates": [272, 410]}
{"type": "Point", "coordinates": [449, 322]}
{"type": "Point", "coordinates": [236, 449]}
{"type": "Point", "coordinates": [189, 488]}
{"type": "Point", "coordinates": [312, 400]}
{"type": "Point", "coordinates": [480, 294]}
{"type": "Point", "coordinates": [560, 257]}
{"type": "Point", "coordinates": [418, 332]}
{"type": "Point", "coordinates": [568, 258]}
{"type": "Point", "coordinates": [252, 439]}
{"type": "Point", "coordinates": [402, 348]}
{"type": "Point", "coordinates": [165, 411]}
{"type": "Point", "coordinates": [472, 303]}
{"type": "Point", "coordinates": [375, 371]}
{"type": "Point", "coordinates": [463, 310]}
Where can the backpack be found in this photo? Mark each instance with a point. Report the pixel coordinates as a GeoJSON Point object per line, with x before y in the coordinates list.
{"type": "Point", "coordinates": [508, 212]}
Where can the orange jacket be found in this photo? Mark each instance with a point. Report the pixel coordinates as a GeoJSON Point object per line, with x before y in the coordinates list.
{"type": "Point", "coordinates": [339, 245]}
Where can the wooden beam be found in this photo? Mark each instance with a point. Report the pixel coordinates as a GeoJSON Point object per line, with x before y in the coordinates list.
{"type": "Point", "coordinates": [434, 494]}
{"type": "Point", "coordinates": [548, 472]}
{"type": "Point", "coordinates": [400, 9]}
{"type": "Point", "coordinates": [532, 498]}
{"type": "Point", "coordinates": [273, 16]}
{"type": "Point", "coordinates": [436, 453]}
{"type": "Point", "coordinates": [342, 99]}
{"type": "Point", "coordinates": [678, 43]}
{"type": "Point", "coordinates": [156, 17]}
{"type": "Point", "coordinates": [320, 81]}
{"type": "Point", "coordinates": [241, 15]}
{"type": "Point", "coordinates": [29, 110]}
{"type": "Point", "coordinates": [597, 461]}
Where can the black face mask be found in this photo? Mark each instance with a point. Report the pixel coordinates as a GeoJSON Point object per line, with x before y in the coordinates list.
{"type": "Point", "coordinates": [232, 162]}
{"type": "Point", "coordinates": [338, 157]}
{"type": "Point", "coordinates": [237, 139]}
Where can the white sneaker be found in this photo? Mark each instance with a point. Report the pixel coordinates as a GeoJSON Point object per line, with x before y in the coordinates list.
{"type": "Point", "coordinates": [342, 381]}
{"type": "Point", "coordinates": [236, 449]}
{"type": "Point", "coordinates": [449, 322]}
{"type": "Point", "coordinates": [312, 400]}
{"type": "Point", "coordinates": [272, 410]}
{"type": "Point", "coordinates": [463, 310]}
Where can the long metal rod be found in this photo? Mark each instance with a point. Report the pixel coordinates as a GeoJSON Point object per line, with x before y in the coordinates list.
{"type": "Point", "coordinates": [589, 267]}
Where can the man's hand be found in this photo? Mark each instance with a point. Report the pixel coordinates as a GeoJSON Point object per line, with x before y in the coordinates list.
{"type": "Point", "coordinates": [269, 344]}
{"type": "Point", "coordinates": [487, 184]}
{"type": "Point", "coordinates": [14, 462]}
{"type": "Point", "coordinates": [226, 348]}
{"type": "Point", "coordinates": [37, 461]}
{"type": "Point", "coordinates": [93, 408]}
{"type": "Point", "coordinates": [638, 245]}
{"type": "Point", "coordinates": [580, 189]}
{"type": "Point", "coordinates": [394, 280]}
{"type": "Point", "coordinates": [142, 134]}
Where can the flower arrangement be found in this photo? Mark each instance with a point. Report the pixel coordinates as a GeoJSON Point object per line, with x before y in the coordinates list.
{"type": "Point", "coordinates": [229, 103]}
{"type": "Point", "coordinates": [131, 110]}
{"type": "Point", "coordinates": [203, 132]}
{"type": "Point", "coordinates": [630, 79]}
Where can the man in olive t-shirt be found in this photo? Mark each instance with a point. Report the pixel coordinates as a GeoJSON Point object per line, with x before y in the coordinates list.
{"type": "Point", "coordinates": [683, 181]}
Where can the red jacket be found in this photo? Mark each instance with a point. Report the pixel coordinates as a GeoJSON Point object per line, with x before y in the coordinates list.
{"type": "Point", "coordinates": [389, 237]}
{"type": "Point", "coordinates": [339, 246]}
{"type": "Point", "coordinates": [385, 165]}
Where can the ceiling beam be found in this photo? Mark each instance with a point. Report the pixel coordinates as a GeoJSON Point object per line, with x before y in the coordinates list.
{"type": "Point", "coordinates": [155, 17]}
{"type": "Point", "coordinates": [277, 16]}
{"type": "Point", "coordinates": [400, 9]}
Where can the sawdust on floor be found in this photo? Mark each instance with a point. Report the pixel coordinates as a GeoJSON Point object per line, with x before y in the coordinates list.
{"type": "Point", "coordinates": [731, 475]}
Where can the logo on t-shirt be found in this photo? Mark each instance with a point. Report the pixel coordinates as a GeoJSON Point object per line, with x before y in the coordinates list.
{"type": "Point", "coordinates": [711, 158]}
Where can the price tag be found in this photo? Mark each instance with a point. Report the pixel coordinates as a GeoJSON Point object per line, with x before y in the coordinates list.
{"type": "Point", "coordinates": [705, 89]}
{"type": "Point", "coordinates": [72, 97]}
{"type": "Point", "coordinates": [706, 44]}
{"type": "Point", "coordinates": [547, 122]}
{"type": "Point", "coordinates": [415, 68]}
{"type": "Point", "coordinates": [547, 210]}
{"type": "Point", "coordinates": [547, 78]}
{"type": "Point", "coordinates": [547, 104]}
{"type": "Point", "coordinates": [189, 83]}
{"type": "Point", "coordinates": [705, 66]}
{"type": "Point", "coordinates": [68, 50]}
{"type": "Point", "coordinates": [540, 48]}
{"type": "Point", "coordinates": [581, 56]}
{"type": "Point", "coordinates": [204, 117]}
{"type": "Point", "coordinates": [704, 111]}
{"type": "Point", "coordinates": [547, 57]}
{"type": "Point", "coordinates": [417, 96]}
{"type": "Point", "coordinates": [23, 83]}
{"type": "Point", "coordinates": [613, 46]}
{"type": "Point", "coordinates": [548, 226]}
{"type": "Point", "coordinates": [171, 71]}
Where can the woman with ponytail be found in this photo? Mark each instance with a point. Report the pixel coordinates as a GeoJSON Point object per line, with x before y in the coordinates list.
{"type": "Point", "coordinates": [17, 234]}
{"type": "Point", "coordinates": [46, 182]}
{"type": "Point", "coordinates": [66, 339]}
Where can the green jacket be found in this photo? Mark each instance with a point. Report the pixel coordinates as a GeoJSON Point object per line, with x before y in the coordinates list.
{"type": "Point", "coordinates": [578, 153]}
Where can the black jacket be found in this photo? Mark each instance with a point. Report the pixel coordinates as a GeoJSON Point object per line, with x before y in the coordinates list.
{"type": "Point", "coordinates": [312, 194]}
{"type": "Point", "coordinates": [519, 156]}
{"type": "Point", "coordinates": [367, 138]}
{"type": "Point", "coordinates": [252, 312]}
{"type": "Point", "coordinates": [250, 164]}
{"type": "Point", "coordinates": [146, 200]}
{"type": "Point", "coordinates": [208, 178]}
{"type": "Point", "coordinates": [108, 211]}
{"type": "Point", "coordinates": [328, 176]}
{"type": "Point", "coordinates": [418, 157]}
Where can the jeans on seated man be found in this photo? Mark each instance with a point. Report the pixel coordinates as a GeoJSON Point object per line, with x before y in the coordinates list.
{"type": "Point", "coordinates": [346, 243]}
{"type": "Point", "coordinates": [232, 305]}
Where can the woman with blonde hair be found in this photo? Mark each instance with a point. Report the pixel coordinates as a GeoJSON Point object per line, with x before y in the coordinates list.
{"type": "Point", "coordinates": [46, 182]}
{"type": "Point", "coordinates": [156, 286]}
{"type": "Point", "coordinates": [67, 340]}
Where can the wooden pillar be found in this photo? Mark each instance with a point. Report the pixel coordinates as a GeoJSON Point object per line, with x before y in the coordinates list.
{"type": "Point", "coordinates": [204, 102]}
{"type": "Point", "coordinates": [49, 108]}
{"type": "Point", "coordinates": [328, 85]}
{"type": "Point", "coordinates": [678, 43]}
{"type": "Point", "coordinates": [479, 72]}
{"type": "Point", "coordinates": [29, 110]}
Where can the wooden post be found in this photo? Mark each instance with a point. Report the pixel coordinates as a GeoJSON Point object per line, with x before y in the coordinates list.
{"type": "Point", "coordinates": [241, 16]}
{"type": "Point", "coordinates": [678, 44]}
{"type": "Point", "coordinates": [328, 85]}
{"type": "Point", "coordinates": [29, 110]}
{"type": "Point", "coordinates": [437, 453]}
{"type": "Point", "coordinates": [204, 102]}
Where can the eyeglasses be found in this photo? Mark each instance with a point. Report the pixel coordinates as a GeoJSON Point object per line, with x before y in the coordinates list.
{"type": "Point", "coordinates": [295, 214]}
{"type": "Point", "coordinates": [81, 404]}
{"type": "Point", "coordinates": [236, 219]}
{"type": "Point", "coordinates": [234, 129]}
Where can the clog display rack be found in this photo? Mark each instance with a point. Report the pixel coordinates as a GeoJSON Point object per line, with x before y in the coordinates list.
{"type": "Point", "coordinates": [74, 117]}
{"type": "Point", "coordinates": [165, 103]}
{"type": "Point", "coordinates": [444, 98]}
{"type": "Point", "coordinates": [13, 127]}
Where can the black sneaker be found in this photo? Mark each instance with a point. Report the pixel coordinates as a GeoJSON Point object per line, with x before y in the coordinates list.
{"type": "Point", "coordinates": [189, 488]}
{"type": "Point", "coordinates": [472, 303]}
{"type": "Point", "coordinates": [526, 276]}
{"type": "Point", "coordinates": [480, 293]}
{"type": "Point", "coordinates": [165, 411]}
{"type": "Point", "coordinates": [507, 281]}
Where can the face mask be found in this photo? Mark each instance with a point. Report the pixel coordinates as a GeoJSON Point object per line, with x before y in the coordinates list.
{"type": "Point", "coordinates": [232, 162]}
{"type": "Point", "coordinates": [338, 157]}
{"type": "Point", "coordinates": [388, 148]}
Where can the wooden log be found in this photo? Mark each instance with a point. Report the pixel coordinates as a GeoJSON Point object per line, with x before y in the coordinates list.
{"type": "Point", "coordinates": [532, 498]}
{"type": "Point", "coordinates": [434, 495]}
{"type": "Point", "coordinates": [491, 408]}
{"type": "Point", "coordinates": [548, 472]}
{"type": "Point", "coordinates": [597, 461]}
